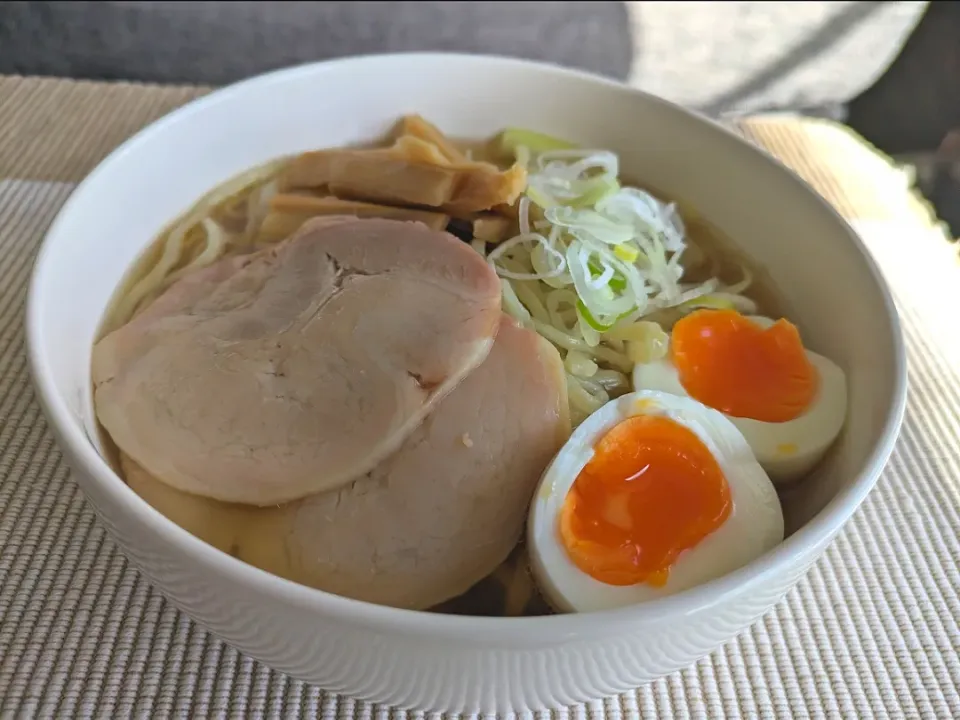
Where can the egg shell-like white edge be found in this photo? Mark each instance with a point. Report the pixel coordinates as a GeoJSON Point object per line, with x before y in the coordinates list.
{"type": "Point", "coordinates": [786, 450]}
{"type": "Point", "coordinates": [754, 526]}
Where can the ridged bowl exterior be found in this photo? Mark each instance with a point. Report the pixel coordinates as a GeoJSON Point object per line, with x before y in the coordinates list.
{"type": "Point", "coordinates": [417, 673]}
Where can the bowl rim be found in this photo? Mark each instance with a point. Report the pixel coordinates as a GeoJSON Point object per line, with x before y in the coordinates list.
{"type": "Point", "coordinates": [73, 441]}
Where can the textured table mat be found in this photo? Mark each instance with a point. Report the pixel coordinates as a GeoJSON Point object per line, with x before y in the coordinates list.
{"type": "Point", "coordinates": [870, 632]}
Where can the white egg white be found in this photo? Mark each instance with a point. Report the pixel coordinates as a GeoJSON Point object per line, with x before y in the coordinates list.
{"type": "Point", "coordinates": [786, 450]}
{"type": "Point", "coordinates": [754, 526]}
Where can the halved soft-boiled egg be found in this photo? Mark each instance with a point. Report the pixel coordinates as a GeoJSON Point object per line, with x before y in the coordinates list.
{"type": "Point", "coordinates": [789, 403]}
{"type": "Point", "coordinates": [652, 494]}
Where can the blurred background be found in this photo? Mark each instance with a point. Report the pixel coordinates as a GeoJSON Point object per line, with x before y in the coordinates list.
{"type": "Point", "coordinates": [890, 70]}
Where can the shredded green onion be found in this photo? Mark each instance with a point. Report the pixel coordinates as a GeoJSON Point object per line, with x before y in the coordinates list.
{"type": "Point", "coordinates": [590, 320]}
{"type": "Point", "coordinates": [601, 259]}
{"type": "Point", "coordinates": [511, 139]}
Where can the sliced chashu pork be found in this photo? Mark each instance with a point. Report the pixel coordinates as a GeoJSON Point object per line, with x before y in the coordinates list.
{"type": "Point", "coordinates": [429, 521]}
{"type": "Point", "coordinates": [294, 370]}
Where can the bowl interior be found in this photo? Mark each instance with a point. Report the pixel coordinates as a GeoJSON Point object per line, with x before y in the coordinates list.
{"type": "Point", "coordinates": [831, 290]}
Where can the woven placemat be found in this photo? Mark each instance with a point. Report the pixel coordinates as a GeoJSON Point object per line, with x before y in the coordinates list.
{"type": "Point", "coordinates": [870, 632]}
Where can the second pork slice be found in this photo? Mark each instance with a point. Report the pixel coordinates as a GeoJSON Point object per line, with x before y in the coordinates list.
{"type": "Point", "coordinates": [429, 521]}
{"type": "Point", "coordinates": [293, 370]}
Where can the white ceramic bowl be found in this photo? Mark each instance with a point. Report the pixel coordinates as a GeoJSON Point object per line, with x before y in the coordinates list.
{"type": "Point", "coordinates": [419, 660]}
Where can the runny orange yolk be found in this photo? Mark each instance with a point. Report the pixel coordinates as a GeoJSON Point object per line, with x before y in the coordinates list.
{"type": "Point", "coordinates": [651, 490]}
{"type": "Point", "coordinates": [729, 363]}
